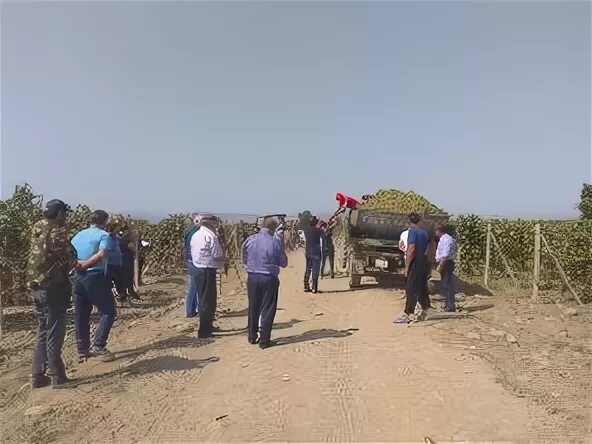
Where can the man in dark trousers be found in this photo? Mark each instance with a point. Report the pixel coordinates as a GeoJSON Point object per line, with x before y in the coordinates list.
{"type": "Point", "coordinates": [127, 262]}
{"type": "Point", "coordinates": [328, 251]}
{"type": "Point", "coordinates": [445, 255]}
{"type": "Point", "coordinates": [52, 257]}
{"type": "Point", "coordinates": [92, 287]}
{"type": "Point", "coordinates": [312, 252]}
{"type": "Point", "coordinates": [416, 271]}
{"type": "Point", "coordinates": [207, 255]}
{"type": "Point", "coordinates": [263, 255]}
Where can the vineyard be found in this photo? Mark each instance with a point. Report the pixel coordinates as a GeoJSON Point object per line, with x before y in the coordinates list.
{"type": "Point", "coordinates": [163, 257]}
{"type": "Point", "coordinates": [494, 250]}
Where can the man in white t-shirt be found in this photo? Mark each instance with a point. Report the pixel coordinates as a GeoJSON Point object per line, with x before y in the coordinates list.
{"type": "Point", "coordinates": [403, 241]}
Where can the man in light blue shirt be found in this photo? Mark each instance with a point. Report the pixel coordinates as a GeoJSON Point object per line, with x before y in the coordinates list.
{"type": "Point", "coordinates": [92, 286]}
{"type": "Point", "coordinates": [263, 256]}
{"type": "Point", "coordinates": [445, 255]}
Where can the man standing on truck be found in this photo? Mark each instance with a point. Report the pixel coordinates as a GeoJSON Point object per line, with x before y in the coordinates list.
{"type": "Point", "coordinates": [416, 270]}
{"type": "Point", "coordinates": [312, 248]}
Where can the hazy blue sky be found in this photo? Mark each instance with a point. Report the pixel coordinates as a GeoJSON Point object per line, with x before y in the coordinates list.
{"type": "Point", "coordinates": [275, 106]}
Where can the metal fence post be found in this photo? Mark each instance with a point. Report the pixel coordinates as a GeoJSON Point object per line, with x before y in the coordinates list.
{"type": "Point", "coordinates": [487, 256]}
{"type": "Point", "coordinates": [537, 261]}
{"type": "Point", "coordinates": [136, 259]}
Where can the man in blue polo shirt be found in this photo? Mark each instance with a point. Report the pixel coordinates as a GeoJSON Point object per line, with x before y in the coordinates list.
{"type": "Point", "coordinates": [92, 286]}
{"type": "Point", "coordinates": [416, 271]}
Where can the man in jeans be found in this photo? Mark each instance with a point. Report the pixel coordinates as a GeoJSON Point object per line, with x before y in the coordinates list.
{"type": "Point", "coordinates": [52, 257]}
{"type": "Point", "coordinates": [191, 300]}
{"type": "Point", "coordinates": [445, 254]}
{"type": "Point", "coordinates": [92, 287]}
{"type": "Point", "coordinates": [313, 254]}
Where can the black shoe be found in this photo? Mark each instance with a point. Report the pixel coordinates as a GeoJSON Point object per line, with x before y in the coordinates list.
{"type": "Point", "coordinates": [40, 381]}
{"type": "Point", "coordinates": [264, 344]}
{"type": "Point", "coordinates": [332, 276]}
{"type": "Point", "coordinates": [205, 336]}
{"type": "Point", "coordinates": [63, 383]}
{"type": "Point", "coordinates": [253, 341]}
{"type": "Point", "coordinates": [307, 290]}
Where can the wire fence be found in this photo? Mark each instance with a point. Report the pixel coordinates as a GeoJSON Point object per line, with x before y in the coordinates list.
{"type": "Point", "coordinates": [158, 248]}
{"type": "Point", "coordinates": [539, 257]}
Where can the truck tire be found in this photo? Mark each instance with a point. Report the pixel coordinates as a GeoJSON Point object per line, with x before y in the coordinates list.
{"type": "Point", "coordinates": [355, 281]}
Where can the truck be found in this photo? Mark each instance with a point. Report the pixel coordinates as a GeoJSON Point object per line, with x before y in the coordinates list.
{"type": "Point", "coordinates": [372, 239]}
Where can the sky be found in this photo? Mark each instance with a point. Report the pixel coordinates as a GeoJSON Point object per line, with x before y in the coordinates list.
{"type": "Point", "coordinates": [152, 108]}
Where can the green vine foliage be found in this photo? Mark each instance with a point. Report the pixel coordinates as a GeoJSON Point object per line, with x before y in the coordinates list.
{"type": "Point", "coordinates": [585, 205]}
{"type": "Point", "coordinates": [570, 243]}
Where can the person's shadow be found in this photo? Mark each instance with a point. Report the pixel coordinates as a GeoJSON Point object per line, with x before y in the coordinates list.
{"type": "Point", "coordinates": [159, 364]}
{"type": "Point", "coordinates": [313, 335]}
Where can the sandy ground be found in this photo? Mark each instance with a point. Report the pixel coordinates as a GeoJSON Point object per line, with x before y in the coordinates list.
{"type": "Point", "coordinates": [340, 371]}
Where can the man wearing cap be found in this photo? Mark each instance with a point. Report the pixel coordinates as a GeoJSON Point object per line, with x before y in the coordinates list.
{"type": "Point", "coordinates": [207, 255]}
{"type": "Point", "coordinates": [191, 303]}
{"type": "Point", "coordinates": [51, 260]}
{"type": "Point", "coordinates": [92, 286]}
{"type": "Point", "coordinates": [263, 255]}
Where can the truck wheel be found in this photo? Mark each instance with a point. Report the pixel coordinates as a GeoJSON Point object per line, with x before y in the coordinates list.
{"type": "Point", "coordinates": [355, 281]}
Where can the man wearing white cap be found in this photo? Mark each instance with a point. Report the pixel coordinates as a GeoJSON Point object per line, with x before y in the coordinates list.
{"type": "Point", "coordinates": [207, 255]}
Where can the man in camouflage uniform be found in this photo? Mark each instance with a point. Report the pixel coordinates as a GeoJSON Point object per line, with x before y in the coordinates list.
{"type": "Point", "coordinates": [52, 258]}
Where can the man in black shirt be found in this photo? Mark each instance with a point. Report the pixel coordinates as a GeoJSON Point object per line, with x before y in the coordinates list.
{"type": "Point", "coordinates": [328, 252]}
{"type": "Point", "coordinates": [312, 235]}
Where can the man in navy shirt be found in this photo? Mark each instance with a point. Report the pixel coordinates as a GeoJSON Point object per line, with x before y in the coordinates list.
{"type": "Point", "coordinates": [312, 248]}
{"type": "Point", "coordinates": [416, 271]}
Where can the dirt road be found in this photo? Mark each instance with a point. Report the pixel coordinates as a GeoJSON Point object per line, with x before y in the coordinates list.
{"type": "Point", "coordinates": [341, 371]}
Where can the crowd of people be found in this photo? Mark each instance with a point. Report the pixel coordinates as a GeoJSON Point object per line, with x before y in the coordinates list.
{"type": "Point", "coordinates": [99, 257]}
